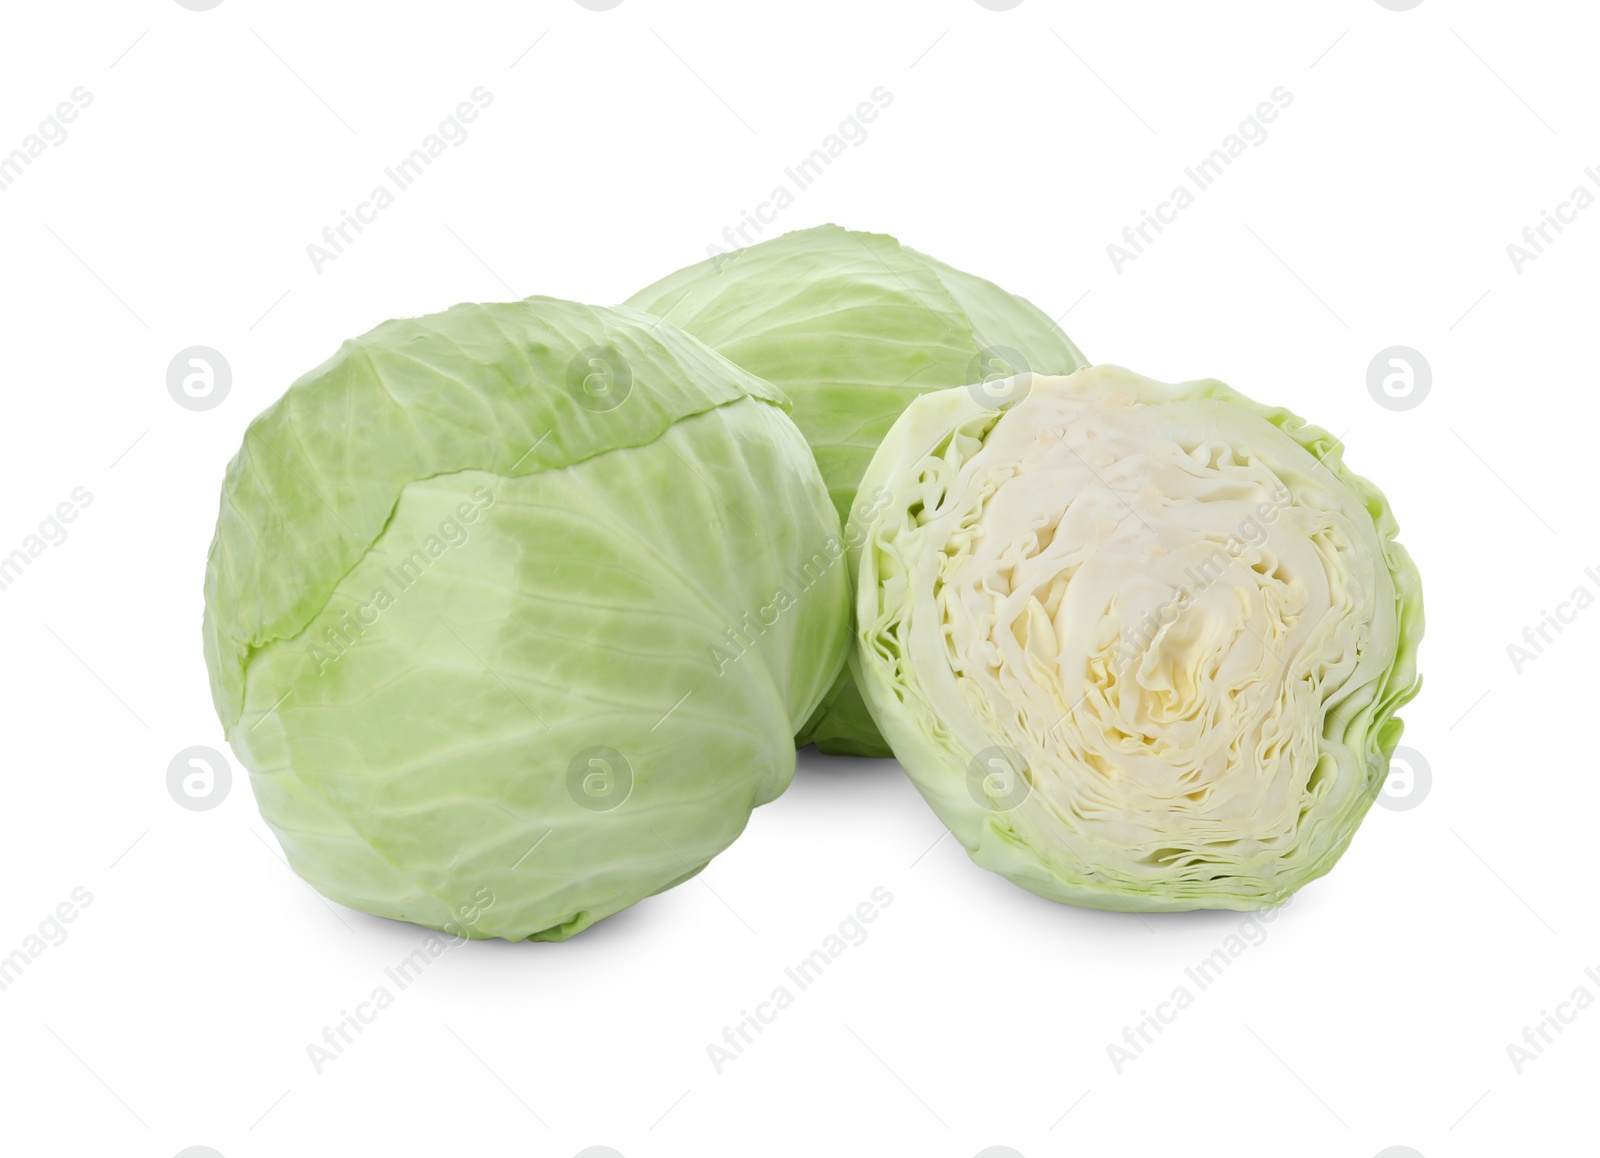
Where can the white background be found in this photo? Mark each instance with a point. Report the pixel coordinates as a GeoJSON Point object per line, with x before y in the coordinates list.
{"type": "Point", "coordinates": [1019, 143]}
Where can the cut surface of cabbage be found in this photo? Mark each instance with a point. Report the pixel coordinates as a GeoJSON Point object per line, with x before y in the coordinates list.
{"type": "Point", "coordinates": [1139, 645]}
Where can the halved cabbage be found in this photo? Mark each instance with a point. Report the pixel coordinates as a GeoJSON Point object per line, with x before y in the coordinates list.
{"type": "Point", "coordinates": [513, 611]}
{"type": "Point", "coordinates": [1139, 646]}
{"type": "Point", "coordinates": [852, 326]}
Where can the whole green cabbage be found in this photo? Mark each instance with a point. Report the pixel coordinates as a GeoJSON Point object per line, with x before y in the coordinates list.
{"type": "Point", "coordinates": [853, 326]}
{"type": "Point", "coordinates": [1139, 646]}
{"type": "Point", "coordinates": [513, 611]}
